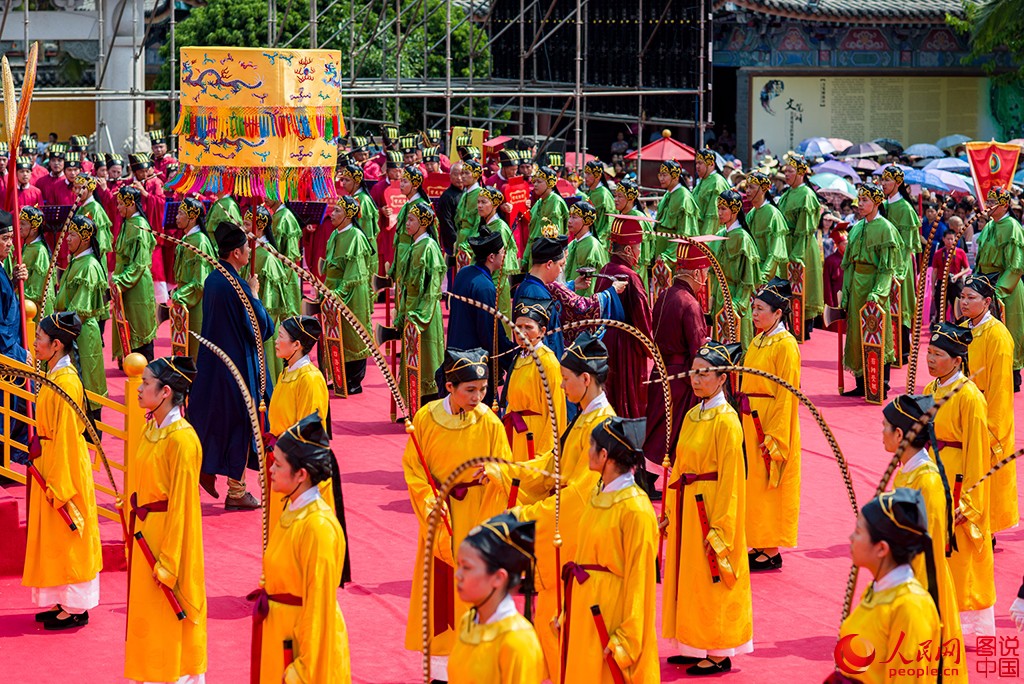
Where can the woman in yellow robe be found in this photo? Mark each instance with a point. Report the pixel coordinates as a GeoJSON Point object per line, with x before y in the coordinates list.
{"type": "Point", "coordinates": [526, 402]}
{"type": "Point", "coordinates": [918, 471]}
{"type": "Point", "coordinates": [297, 604]}
{"type": "Point", "coordinates": [773, 480]}
{"type": "Point", "coordinates": [613, 567]}
{"type": "Point", "coordinates": [445, 433]}
{"type": "Point", "coordinates": [163, 505]}
{"type": "Point", "coordinates": [710, 621]}
{"type": "Point", "coordinates": [895, 614]}
{"type": "Point", "coordinates": [584, 370]}
{"type": "Point", "coordinates": [62, 566]}
{"type": "Point", "coordinates": [990, 359]}
{"type": "Point", "coordinates": [496, 644]}
{"type": "Point", "coordinates": [961, 427]}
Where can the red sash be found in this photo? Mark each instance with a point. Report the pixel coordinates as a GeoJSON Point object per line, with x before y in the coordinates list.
{"type": "Point", "coordinates": [681, 484]}
{"type": "Point", "coordinates": [260, 610]}
{"type": "Point", "coordinates": [573, 573]}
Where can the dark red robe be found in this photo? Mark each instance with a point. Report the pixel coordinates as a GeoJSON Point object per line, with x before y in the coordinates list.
{"type": "Point", "coordinates": [627, 356]}
{"type": "Point", "coordinates": [679, 331]}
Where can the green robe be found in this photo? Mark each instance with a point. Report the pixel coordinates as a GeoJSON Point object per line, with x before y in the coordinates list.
{"type": "Point", "coordinates": [604, 202]}
{"type": "Point", "coordinates": [585, 250]}
{"type": "Point", "coordinates": [288, 235]}
{"type": "Point", "coordinates": [553, 208]}
{"type": "Point", "coordinates": [190, 272]}
{"type": "Point", "coordinates": [84, 290]}
{"type": "Point", "coordinates": [801, 209]}
{"type": "Point", "coordinates": [737, 255]}
{"type": "Point", "coordinates": [768, 228]}
{"type": "Point", "coordinates": [677, 213]}
{"type": "Point", "coordinates": [902, 214]}
{"type": "Point", "coordinates": [277, 296]}
{"type": "Point", "coordinates": [1001, 250]}
{"type": "Point", "coordinates": [346, 273]}
{"type": "Point", "coordinates": [420, 303]}
{"type": "Point", "coordinates": [508, 267]}
{"type": "Point", "coordinates": [369, 222]}
{"type": "Point", "coordinates": [36, 258]}
{"type": "Point", "coordinates": [869, 265]}
{"type": "Point", "coordinates": [706, 196]}
{"type": "Point", "coordinates": [133, 274]}
{"type": "Point", "coordinates": [402, 240]}
{"type": "Point", "coordinates": [467, 218]}
{"type": "Point", "coordinates": [224, 209]}
{"type": "Point", "coordinates": [104, 234]}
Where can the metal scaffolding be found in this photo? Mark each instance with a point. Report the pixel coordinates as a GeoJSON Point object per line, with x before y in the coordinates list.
{"type": "Point", "coordinates": [520, 103]}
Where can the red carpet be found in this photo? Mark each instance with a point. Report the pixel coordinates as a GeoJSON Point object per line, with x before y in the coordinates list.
{"type": "Point", "coordinates": [796, 610]}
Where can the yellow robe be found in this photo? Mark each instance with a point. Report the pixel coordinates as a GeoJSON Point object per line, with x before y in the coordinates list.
{"type": "Point", "coordinates": [696, 612]}
{"type": "Point", "coordinates": [526, 393]}
{"type": "Point", "coordinates": [618, 530]}
{"type": "Point", "coordinates": [964, 419]}
{"type": "Point", "coordinates": [303, 558]}
{"type": "Point", "coordinates": [54, 555]}
{"type": "Point", "coordinates": [297, 394]}
{"type": "Point", "coordinates": [773, 499]}
{"type": "Point", "coordinates": [990, 358]}
{"type": "Point", "coordinates": [159, 647]}
{"type": "Point", "coordinates": [503, 652]}
{"type": "Point", "coordinates": [882, 618]}
{"type": "Point", "coordinates": [448, 441]}
{"type": "Point", "coordinates": [574, 498]}
{"type": "Point", "coordinates": [926, 479]}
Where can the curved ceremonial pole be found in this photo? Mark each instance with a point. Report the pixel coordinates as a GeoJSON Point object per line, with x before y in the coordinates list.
{"type": "Point", "coordinates": [14, 121]}
{"type": "Point", "coordinates": [666, 391]}
{"type": "Point", "coordinates": [719, 275]}
{"type": "Point", "coordinates": [922, 276]}
{"type": "Point", "coordinates": [995, 469]}
{"type": "Point", "coordinates": [428, 544]}
{"type": "Point", "coordinates": [949, 260]}
{"type": "Point", "coordinates": [84, 417]}
{"type": "Point", "coordinates": [249, 310]}
{"type": "Point", "coordinates": [921, 424]}
{"type": "Point", "coordinates": [254, 422]}
{"type": "Point", "coordinates": [825, 429]}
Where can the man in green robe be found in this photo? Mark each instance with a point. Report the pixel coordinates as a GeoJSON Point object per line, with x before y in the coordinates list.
{"type": "Point", "coordinates": [767, 226]}
{"type": "Point", "coordinates": [191, 270]}
{"type": "Point", "coordinates": [85, 186]}
{"type": "Point", "coordinates": [346, 273]}
{"type": "Point", "coordinates": [738, 257]}
{"type": "Point", "coordinates": [598, 194]}
{"type": "Point", "coordinates": [1001, 250]}
{"type": "Point", "coordinates": [410, 184]}
{"type": "Point", "coordinates": [869, 265]}
{"type": "Point", "coordinates": [548, 207]}
{"type": "Point", "coordinates": [352, 181]}
{"type": "Point", "coordinates": [802, 210]}
{"type": "Point", "coordinates": [35, 255]}
{"type": "Point", "coordinates": [677, 214]}
{"type": "Point", "coordinates": [288, 238]}
{"type": "Point", "coordinates": [626, 194]}
{"type": "Point", "coordinates": [488, 202]}
{"type": "Point", "coordinates": [710, 185]}
{"type": "Point", "coordinates": [133, 274]}
{"type": "Point", "coordinates": [224, 208]}
{"type": "Point", "coordinates": [901, 213]}
{"type": "Point", "coordinates": [467, 219]}
{"type": "Point", "coordinates": [585, 250]}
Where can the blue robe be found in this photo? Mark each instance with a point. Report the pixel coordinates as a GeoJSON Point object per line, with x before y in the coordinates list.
{"type": "Point", "coordinates": [10, 346]}
{"type": "Point", "coordinates": [216, 409]}
{"type": "Point", "coordinates": [533, 287]}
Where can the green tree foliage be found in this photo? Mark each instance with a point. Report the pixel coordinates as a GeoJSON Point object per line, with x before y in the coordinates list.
{"type": "Point", "coordinates": [365, 31]}
{"type": "Point", "coordinates": [994, 26]}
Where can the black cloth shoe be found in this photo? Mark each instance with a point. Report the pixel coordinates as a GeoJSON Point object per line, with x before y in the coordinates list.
{"type": "Point", "coordinates": [683, 660]}
{"type": "Point", "coordinates": [857, 391]}
{"type": "Point", "coordinates": [49, 614]}
{"type": "Point", "coordinates": [699, 670]}
{"type": "Point", "coordinates": [246, 502]}
{"type": "Point", "coordinates": [70, 622]}
{"type": "Point", "coordinates": [761, 561]}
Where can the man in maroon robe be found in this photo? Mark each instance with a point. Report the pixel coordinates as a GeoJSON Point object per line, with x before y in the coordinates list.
{"type": "Point", "coordinates": [679, 331]}
{"type": "Point", "coordinates": [627, 356]}
{"type": "Point", "coordinates": [61, 191]}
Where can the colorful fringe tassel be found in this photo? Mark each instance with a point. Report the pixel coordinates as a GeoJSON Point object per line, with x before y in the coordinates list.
{"type": "Point", "coordinates": [219, 123]}
{"type": "Point", "coordinates": [302, 184]}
